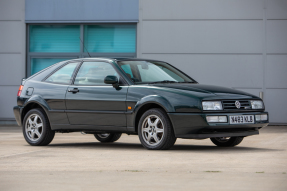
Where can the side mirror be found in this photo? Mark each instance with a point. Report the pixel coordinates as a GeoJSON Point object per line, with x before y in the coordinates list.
{"type": "Point", "coordinates": [112, 80]}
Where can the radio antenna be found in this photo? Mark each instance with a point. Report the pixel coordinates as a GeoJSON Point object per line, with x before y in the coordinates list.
{"type": "Point", "coordinates": [85, 47]}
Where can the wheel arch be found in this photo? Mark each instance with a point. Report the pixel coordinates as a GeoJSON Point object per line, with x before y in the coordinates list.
{"type": "Point", "coordinates": [149, 103]}
{"type": "Point", "coordinates": [32, 103]}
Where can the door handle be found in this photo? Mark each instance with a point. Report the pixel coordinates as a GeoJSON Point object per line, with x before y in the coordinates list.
{"type": "Point", "coordinates": [75, 90]}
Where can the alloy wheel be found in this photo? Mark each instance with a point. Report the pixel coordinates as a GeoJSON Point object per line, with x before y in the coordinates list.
{"type": "Point", "coordinates": [34, 127]}
{"type": "Point", "coordinates": [152, 130]}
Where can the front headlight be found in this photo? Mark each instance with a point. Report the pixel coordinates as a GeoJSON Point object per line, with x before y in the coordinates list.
{"type": "Point", "coordinates": [257, 104]}
{"type": "Point", "coordinates": [211, 105]}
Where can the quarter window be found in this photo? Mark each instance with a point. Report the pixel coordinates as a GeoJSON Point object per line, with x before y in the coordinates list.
{"type": "Point", "coordinates": [63, 75]}
{"type": "Point", "coordinates": [94, 73]}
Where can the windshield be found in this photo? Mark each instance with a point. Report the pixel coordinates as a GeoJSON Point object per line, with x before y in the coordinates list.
{"type": "Point", "coordinates": [141, 72]}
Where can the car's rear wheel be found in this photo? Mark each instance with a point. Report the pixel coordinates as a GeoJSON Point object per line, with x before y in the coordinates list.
{"type": "Point", "coordinates": [36, 128]}
{"type": "Point", "coordinates": [155, 130]}
{"type": "Point", "coordinates": [107, 137]}
{"type": "Point", "coordinates": [226, 141]}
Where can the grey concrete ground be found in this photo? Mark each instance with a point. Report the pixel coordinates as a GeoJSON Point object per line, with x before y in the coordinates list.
{"type": "Point", "coordinates": [78, 162]}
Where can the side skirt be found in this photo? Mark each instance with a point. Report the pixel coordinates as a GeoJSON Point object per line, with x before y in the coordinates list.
{"type": "Point", "coordinates": [73, 128]}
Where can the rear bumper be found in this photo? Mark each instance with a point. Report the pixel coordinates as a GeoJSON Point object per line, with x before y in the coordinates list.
{"type": "Point", "coordinates": [17, 113]}
{"type": "Point", "coordinates": [195, 126]}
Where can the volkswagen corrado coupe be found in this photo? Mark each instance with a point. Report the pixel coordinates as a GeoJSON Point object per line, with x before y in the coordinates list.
{"type": "Point", "coordinates": [152, 99]}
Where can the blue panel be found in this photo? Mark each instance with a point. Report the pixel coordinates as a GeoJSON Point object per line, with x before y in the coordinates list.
{"type": "Point", "coordinates": [80, 11]}
{"type": "Point", "coordinates": [110, 38]}
{"type": "Point", "coordinates": [54, 38]}
{"type": "Point", "coordinates": [38, 64]}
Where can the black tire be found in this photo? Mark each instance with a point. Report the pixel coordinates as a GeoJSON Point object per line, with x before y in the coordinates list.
{"type": "Point", "coordinates": [167, 138]}
{"type": "Point", "coordinates": [108, 138]}
{"type": "Point", "coordinates": [231, 142]}
{"type": "Point", "coordinates": [46, 135]}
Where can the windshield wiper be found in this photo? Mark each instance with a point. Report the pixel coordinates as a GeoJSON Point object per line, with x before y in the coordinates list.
{"type": "Point", "coordinates": [164, 81]}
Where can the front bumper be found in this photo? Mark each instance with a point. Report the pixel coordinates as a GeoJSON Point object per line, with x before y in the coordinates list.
{"type": "Point", "coordinates": [195, 126]}
{"type": "Point", "coordinates": [17, 113]}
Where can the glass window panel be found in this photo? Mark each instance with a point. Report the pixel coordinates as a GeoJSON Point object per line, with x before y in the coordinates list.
{"type": "Point", "coordinates": [110, 38]}
{"type": "Point", "coordinates": [54, 38]}
{"type": "Point", "coordinates": [128, 70]}
{"type": "Point", "coordinates": [63, 75]}
{"type": "Point", "coordinates": [149, 71]}
{"type": "Point", "coordinates": [153, 73]}
{"type": "Point", "coordinates": [172, 74]}
{"type": "Point", "coordinates": [94, 73]}
{"type": "Point", "coordinates": [38, 64]}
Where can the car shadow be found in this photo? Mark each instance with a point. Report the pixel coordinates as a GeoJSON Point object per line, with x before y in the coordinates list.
{"type": "Point", "coordinates": [211, 148]}
{"type": "Point", "coordinates": [176, 147]}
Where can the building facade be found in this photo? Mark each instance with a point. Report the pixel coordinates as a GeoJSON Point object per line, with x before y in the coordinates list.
{"type": "Point", "coordinates": [237, 44]}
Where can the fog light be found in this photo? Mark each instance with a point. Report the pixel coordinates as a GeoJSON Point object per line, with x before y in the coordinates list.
{"type": "Point", "coordinates": [262, 117]}
{"type": "Point", "coordinates": [222, 119]}
{"type": "Point", "coordinates": [214, 119]}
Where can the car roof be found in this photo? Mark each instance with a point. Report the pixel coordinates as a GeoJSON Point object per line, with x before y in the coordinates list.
{"type": "Point", "coordinates": [135, 59]}
{"type": "Point", "coordinates": [112, 59]}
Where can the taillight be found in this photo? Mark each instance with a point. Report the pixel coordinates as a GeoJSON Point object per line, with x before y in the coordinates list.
{"type": "Point", "coordinates": [19, 91]}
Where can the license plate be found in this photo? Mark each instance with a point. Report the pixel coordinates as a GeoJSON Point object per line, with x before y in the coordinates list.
{"type": "Point", "coordinates": [241, 119]}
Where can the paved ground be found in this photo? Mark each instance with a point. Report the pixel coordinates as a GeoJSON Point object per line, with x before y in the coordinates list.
{"type": "Point", "coordinates": [78, 162]}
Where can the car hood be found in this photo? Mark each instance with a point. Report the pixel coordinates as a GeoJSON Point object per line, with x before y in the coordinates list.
{"type": "Point", "coordinates": [209, 91]}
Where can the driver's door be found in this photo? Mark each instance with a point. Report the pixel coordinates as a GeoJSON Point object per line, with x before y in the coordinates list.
{"type": "Point", "coordinates": [89, 101]}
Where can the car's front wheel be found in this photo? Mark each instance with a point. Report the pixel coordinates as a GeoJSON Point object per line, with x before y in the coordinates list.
{"type": "Point", "coordinates": [155, 130]}
{"type": "Point", "coordinates": [107, 137]}
{"type": "Point", "coordinates": [36, 128]}
{"type": "Point", "coordinates": [226, 141]}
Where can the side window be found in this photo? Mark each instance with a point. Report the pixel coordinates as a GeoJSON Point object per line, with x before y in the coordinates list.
{"type": "Point", "coordinates": [63, 75]}
{"type": "Point", "coordinates": [94, 73]}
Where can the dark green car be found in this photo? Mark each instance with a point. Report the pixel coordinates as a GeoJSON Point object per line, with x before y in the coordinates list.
{"type": "Point", "coordinates": [152, 99]}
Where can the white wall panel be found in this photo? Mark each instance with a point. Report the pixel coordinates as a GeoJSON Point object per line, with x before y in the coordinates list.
{"type": "Point", "coordinates": [275, 103]}
{"type": "Point", "coordinates": [12, 53]}
{"type": "Point", "coordinates": [8, 95]}
{"type": "Point", "coordinates": [276, 36]}
{"type": "Point", "coordinates": [276, 71]}
{"type": "Point", "coordinates": [237, 71]}
{"type": "Point", "coordinates": [202, 37]}
{"type": "Point", "coordinates": [12, 36]}
{"type": "Point", "coordinates": [202, 9]}
{"type": "Point", "coordinates": [12, 9]}
{"type": "Point", "coordinates": [12, 69]}
{"type": "Point", "coordinates": [276, 9]}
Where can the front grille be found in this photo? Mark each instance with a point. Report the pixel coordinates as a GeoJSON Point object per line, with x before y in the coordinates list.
{"type": "Point", "coordinates": [230, 104]}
